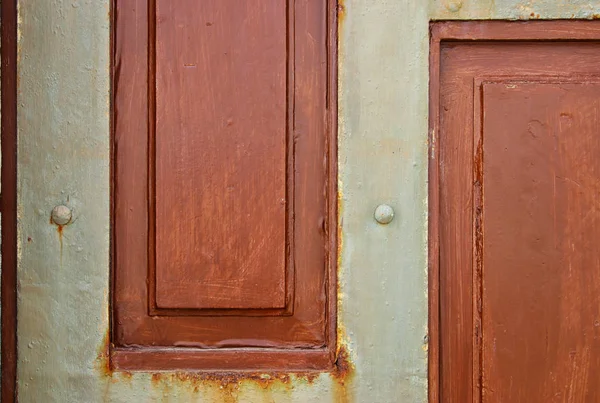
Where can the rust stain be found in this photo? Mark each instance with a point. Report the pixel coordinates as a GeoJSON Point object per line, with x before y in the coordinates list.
{"type": "Point", "coordinates": [344, 368]}
{"type": "Point", "coordinates": [103, 357]}
{"type": "Point", "coordinates": [59, 230]}
{"type": "Point", "coordinates": [343, 371]}
{"type": "Point", "coordinates": [343, 375]}
{"type": "Point", "coordinates": [156, 378]}
{"type": "Point", "coordinates": [340, 242]}
{"type": "Point", "coordinates": [124, 376]}
{"type": "Point", "coordinates": [341, 11]}
{"type": "Point", "coordinates": [225, 385]}
{"type": "Point", "coordinates": [226, 380]}
{"type": "Point", "coordinates": [309, 377]}
{"type": "Point", "coordinates": [229, 384]}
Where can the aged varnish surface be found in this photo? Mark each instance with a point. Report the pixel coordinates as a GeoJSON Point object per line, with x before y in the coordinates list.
{"type": "Point", "coordinates": [224, 196]}
{"type": "Point", "coordinates": [516, 190]}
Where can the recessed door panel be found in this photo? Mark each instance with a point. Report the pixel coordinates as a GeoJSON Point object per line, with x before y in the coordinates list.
{"type": "Point", "coordinates": [541, 277]}
{"type": "Point", "coordinates": [220, 161]}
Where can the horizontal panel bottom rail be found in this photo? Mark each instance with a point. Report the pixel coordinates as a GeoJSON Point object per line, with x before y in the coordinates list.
{"type": "Point", "coordinates": [184, 359]}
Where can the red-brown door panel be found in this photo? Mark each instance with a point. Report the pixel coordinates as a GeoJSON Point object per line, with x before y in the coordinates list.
{"type": "Point", "coordinates": [518, 173]}
{"type": "Point", "coordinates": [224, 208]}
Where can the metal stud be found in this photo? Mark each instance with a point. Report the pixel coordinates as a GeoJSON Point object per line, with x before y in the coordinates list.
{"type": "Point", "coordinates": [384, 214]}
{"type": "Point", "coordinates": [61, 215]}
{"type": "Point", "coordinates": [454, 6]}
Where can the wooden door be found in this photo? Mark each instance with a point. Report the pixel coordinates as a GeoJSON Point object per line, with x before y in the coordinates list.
{"type": "Point", "coordinates": [223, 185]}
{"type": "Point", "coordinates": [517, 211]}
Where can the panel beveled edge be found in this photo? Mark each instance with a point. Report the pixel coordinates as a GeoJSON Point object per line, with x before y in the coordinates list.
{"type": "Point", "coordinates": [288, 309]}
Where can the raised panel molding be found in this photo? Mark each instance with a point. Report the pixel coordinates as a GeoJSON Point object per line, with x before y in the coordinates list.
{"type": "Point", "coordinates": [224, 185]}
{"type": "Point", "coordinates": [222, 203]}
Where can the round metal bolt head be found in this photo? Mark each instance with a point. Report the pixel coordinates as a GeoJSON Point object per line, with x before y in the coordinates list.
{"type": "Point", "coordinates": [61, 215]}
{"type": "Point", "coordinates": [384, 214]}
{"type": "Point", "coordinates": [454, 6]}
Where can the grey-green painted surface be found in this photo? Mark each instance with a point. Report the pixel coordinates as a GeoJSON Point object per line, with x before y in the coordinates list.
{"type": "Point", "coordinates": [63, 116]}
{"type": "Point", "coordinates": [514, 9]}
{"type": "Point", "coordinates": [382, 159]}
{"type": "Point", "coordinates": [63, 149]}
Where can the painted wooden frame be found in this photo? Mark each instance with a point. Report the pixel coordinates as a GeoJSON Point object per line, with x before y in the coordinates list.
{"type": "Point", "coordinates": [169, 358]}
{"type": "Point", "coordinates": [470, 31]}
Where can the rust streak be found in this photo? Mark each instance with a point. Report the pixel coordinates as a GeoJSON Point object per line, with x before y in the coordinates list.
{"type": "Point", "coordinates": [59, 230]}
{"type": "Point", "coordinates": [343, 374]}
{"type": "Point", "coordinates": [344, 368]}
{"type": "Point", "coordinates": [228, 379]}
{"type": "Point", "coordinates": [126, 376]}
{"type": "Point", "coordinates": [228, 384]}
{"type": "Point", "coordinates": [341, 11]}
{"type": "Point", "coordinates": [103, 357]}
